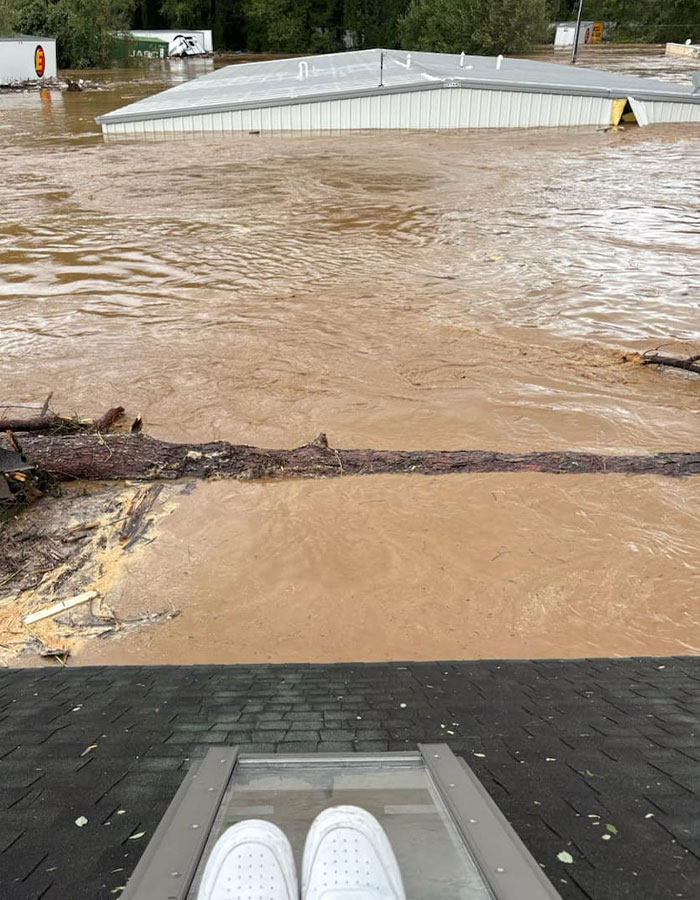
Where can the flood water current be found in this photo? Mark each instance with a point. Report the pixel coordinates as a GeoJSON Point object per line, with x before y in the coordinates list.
{"type": "Point", "coordinates": [396, 290]}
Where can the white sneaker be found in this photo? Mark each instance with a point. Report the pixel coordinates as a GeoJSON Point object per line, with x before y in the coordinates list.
{"type": "Point", "coordinates": [348, 856]}
{"type": "Point", "coordinates": [252, 860]}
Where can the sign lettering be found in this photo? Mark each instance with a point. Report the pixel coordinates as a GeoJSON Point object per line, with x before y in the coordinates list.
{"type": "Point", "coordinates": [39, 61]}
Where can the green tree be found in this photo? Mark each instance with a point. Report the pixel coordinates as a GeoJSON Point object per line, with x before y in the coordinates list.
{"type": "Point", "coordinates": [9, 17]}
{"type": "Point", "coordinates": [562, 10]}
{"type": "Point", "coordinates": [82, 28]}
{"type": "Point", "coordinates": [296, 26]}
{"type": "Point", "coordinates": [653, 21]}
{"type": "Point", "coordinates": [229, 25]}
{"type": "Point", "coordinates": [187, 13]}
{"type": "Point", "coordinates": [147, 14]}
{"type": "Point", "coordinates": [374, 24]}
{"type": "Point", "coordinates": [475, 26]}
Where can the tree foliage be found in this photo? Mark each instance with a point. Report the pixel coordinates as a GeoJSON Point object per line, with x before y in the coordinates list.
{"type": "Point", "coordinates": [83, 28]}
{"type": "Point", "coordinates": [374, 24]}
{"type": "Point", "coordinates": [9, 17]}
{"type": "Point", "coordinates": [296, 26]}
{"type": "Point", "coordinates": [186, 13]}
{"type": "Point", "coordinates": [648, 20]}
{"type": "Point", "coordinates": [475, 26]}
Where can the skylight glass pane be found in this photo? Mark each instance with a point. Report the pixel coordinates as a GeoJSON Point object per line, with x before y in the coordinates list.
{"type": "Point", "coordinates": [434, 862]}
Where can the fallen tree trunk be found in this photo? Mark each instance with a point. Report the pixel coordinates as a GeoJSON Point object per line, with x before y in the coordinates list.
{"type": "Point", "coordinates": [138, 456]}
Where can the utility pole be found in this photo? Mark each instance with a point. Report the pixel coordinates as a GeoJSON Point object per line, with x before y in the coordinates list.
{"type": "Point", "coordinates": [574, 52]}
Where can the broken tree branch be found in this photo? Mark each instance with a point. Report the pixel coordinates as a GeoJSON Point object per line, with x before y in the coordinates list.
{"type": "Point", "coordinates": [120, 456]}
{"type": "Point", "coordinates": [64, 424]}
{"type": "Point", "coordinates": [105, 422]}
{"type": "Point", "coordinates": [691, 364]}
{"type": "Point", "coordinates": [45, 407]}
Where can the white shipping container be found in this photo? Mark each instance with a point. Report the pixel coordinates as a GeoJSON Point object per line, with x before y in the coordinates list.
{"type": "Point", "coordinates": [566, 31]}
{"type": "Point", "coordinates": [27, 58]}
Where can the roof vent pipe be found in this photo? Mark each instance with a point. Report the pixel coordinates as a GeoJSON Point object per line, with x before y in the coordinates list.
{"type": "Point", "coordinates": [499, 60]}
{"type": "Point", "coordinates": [303, 69]}
{"type": "Point", "coordinates": [461, 60]}
{"type": "Point", "coordinates": [408, 60]}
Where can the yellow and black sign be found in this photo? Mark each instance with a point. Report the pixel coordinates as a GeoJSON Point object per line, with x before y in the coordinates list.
{"type": "Point", "coordinates": [598, 28]}
{"type": "Point", "coordinates": [39, 61]}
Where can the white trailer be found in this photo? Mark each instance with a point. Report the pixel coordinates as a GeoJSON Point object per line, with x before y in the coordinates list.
{"type": "Point", "coordinates": [27, 58]}
{"type": "Point", "coordinates": [202, 38]}
{"type": "Point", "coordinates": [566, 31]}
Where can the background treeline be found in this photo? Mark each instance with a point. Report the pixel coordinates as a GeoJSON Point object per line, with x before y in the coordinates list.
{"type": "Point", "coordinates": [83, 27]}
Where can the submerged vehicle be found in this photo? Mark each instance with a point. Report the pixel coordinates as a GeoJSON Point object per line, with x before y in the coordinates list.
{"type": "Point", "coordinates": [185, 45]}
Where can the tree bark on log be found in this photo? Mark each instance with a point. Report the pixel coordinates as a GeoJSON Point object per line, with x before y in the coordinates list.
{"type": "Point", "coordinates": [120, 456]}
{"type": "Point", "coordinates": [691, 364]}
{"type": "Point", "coordinates": [64, 424]}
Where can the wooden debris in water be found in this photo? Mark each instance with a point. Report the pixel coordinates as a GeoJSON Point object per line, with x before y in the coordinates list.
{"type": "Point", "coordinates": [56, 608]}
{"type": "Point", "coordinates": [136, 524]}
{"type": "Point", "coordinates": [61, 547]}
{"type": "Point", "coordinates": [46, 421]}
{"type": "Point", "coordinates": [689, 364]}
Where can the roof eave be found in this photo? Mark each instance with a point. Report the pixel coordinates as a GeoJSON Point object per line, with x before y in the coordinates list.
{"type": "Point", "coordinates": [115, 118]}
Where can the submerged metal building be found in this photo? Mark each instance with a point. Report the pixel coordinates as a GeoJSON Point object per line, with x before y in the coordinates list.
{"type": "Point", "coordinates": [370, 89]}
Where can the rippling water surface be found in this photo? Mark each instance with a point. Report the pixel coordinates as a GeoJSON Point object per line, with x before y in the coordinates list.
{"type": "Point", "coordinates": [399, 290]}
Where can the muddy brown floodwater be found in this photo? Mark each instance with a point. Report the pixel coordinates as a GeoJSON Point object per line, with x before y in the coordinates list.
{"type": "Point", "coordinates": [421, 290]}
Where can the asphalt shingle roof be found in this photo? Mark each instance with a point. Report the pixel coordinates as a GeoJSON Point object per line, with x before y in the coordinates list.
{"type": "Point", "coordinates": [556, 743]}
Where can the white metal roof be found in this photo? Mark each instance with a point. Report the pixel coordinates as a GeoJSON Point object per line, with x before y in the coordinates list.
{"type": "Point", "coordinates": [357, 73]}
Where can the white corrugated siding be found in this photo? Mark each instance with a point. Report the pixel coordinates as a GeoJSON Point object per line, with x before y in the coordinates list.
{"type": "Point", "coordinates": [659, 112]}
{"type": "Point", "coordinates": [439, 108]}
{"type": "Point", "coordinates": [641, 113]}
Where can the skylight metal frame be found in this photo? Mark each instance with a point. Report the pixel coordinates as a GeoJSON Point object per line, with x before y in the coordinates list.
{"type": "Point", "coordinates": [167, 868]}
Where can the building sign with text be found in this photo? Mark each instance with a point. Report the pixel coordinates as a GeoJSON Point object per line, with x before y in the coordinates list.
{"type": "Point", "coordinates": [39, 61]}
